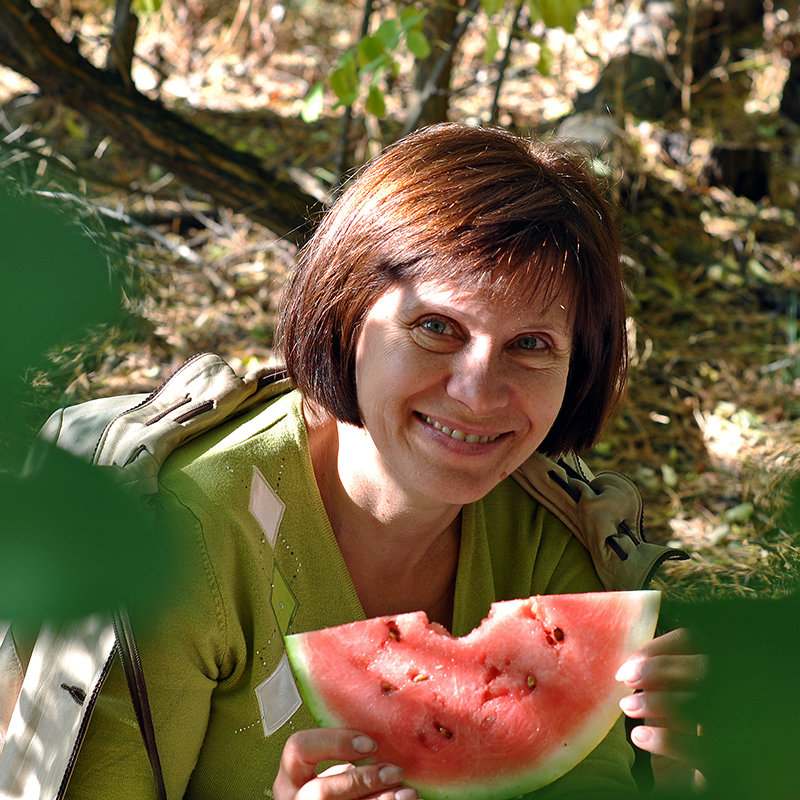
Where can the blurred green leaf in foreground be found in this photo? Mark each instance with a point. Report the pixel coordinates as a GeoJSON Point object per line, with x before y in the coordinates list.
{"type": "Point", "coordinates": [71, 542]}
{"type": "Point", "coordinates": [748, 706]}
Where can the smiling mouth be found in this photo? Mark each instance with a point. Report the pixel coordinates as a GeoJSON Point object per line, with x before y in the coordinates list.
{"type": "Point", "coordinates": [455, 433]}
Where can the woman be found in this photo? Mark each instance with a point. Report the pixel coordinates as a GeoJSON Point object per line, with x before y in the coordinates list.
{"type": "Point", "coordinates": [458, 309]}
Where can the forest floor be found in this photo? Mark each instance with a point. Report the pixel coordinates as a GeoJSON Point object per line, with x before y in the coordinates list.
{"type": "Point", "coordinates": [711, 426]}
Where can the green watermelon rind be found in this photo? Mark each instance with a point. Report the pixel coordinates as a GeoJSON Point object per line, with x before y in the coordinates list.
{"type": "Point", "coordinates": [508, 785]}
{"type": "Point", "coordinates": [316, 705]}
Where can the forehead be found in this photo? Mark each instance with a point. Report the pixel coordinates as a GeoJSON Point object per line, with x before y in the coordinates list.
{"type": "Point", "coordinates": [515, 278]}
{"type": "Point", "coordinates": [480, 302]}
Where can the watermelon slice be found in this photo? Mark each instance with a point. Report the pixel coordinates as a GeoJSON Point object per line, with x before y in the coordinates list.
{"type": "Point", "coordinates": [504, 710]}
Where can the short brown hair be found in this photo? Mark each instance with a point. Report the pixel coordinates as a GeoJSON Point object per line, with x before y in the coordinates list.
{"type": "Point", "coordinates": [475, 206]}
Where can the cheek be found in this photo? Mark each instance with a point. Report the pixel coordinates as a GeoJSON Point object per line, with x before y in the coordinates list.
{"type": "Point", "coordinates": [389, 359]}
{"type": "Point", "coordinates": [388, 385]}
{"type": "Point", "coordinates": [378, 375]}
{"type": "Point", "coordinates": [546, 396]}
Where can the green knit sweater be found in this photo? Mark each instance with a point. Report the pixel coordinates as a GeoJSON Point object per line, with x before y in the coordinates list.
{"type": "Point", "coordinates": [260, 560]}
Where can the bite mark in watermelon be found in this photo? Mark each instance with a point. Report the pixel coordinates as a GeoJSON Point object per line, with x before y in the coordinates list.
{"type": "Point", "coordinates": [504, 710]}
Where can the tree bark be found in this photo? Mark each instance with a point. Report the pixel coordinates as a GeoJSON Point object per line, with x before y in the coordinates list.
{"type": "Point", "coordinates": [30, 46]}
{"type": "Point", "coordinates": [432, 80]}
{"type": "Point", "coordinates": [123, 40]}
{"type": "Point", "coordinates": [437, 27]}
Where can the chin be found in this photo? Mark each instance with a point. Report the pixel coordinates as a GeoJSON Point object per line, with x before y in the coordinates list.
{"type": "Point", "coordinates": [457, 490]}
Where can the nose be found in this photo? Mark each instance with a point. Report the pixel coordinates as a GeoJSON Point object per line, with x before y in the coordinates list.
{"type": "Point", "coordinates": [477, 379]}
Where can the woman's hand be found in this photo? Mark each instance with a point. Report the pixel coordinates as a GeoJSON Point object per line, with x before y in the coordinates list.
{"type": "Point", "coordinates": [665, 675]}
{"type": "Point", "coordinates": [297, 777]}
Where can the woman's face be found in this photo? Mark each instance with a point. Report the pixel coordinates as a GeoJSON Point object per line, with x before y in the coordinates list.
{"type": "Point", "coordinates": [457, 388]}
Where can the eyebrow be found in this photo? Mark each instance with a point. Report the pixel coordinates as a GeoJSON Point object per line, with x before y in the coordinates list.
{"type": "Point", "coordinates": [414, 302]}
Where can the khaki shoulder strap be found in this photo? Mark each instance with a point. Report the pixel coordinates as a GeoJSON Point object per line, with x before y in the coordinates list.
{"type": "Point", "coordinates": [138, 432]}
{"type": "Point", "coordinates": [605, 512]}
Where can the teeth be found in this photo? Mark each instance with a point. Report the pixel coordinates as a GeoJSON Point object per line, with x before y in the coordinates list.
{"type": "Point", "coordinates": [455, 433]}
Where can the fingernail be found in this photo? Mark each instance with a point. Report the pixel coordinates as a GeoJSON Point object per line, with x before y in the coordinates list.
{"type": "Point", "coordinates": [405, 793]}
{"type": "Point", "coordinates": [390, 774]}
{"type": "Point", "coordinates": [631, 704]}
{"type": "Point", "coordinates": [630, 672]}
{"type": "Point", "coordinates": [363, 744]}
{"type": "Point", "coordinates": [641, 735]}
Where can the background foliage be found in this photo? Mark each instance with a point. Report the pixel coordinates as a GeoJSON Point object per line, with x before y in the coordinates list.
{"type": "Point", "coordinates": [186, 231]}
{"type": "Point", "coordinates": [672, 98]}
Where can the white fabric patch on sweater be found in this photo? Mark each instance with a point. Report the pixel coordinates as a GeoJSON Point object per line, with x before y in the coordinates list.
{"type": "Point", "coordinates": [265, 506]}
{"type": "Point", "coordinates": [278, 697]}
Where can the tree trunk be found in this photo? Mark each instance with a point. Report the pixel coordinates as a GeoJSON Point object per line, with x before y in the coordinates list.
{"type": "Point", "coordinates": [30, 46]}
{"type": "Point", "coordinates": [790, 95]}
{"type": "Point", "coordinates": [437, 27]}
{"type": "Point", "coordinates": [433, 74]}
{"type": "Point", "coordinates": [123, 40]}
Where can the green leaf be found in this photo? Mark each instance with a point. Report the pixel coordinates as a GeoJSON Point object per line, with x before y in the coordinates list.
{"type": "Point", "coordinates": [370, 49]}
{"type": "Point", "coordinates": [492, 45]}
{"type": "Point", "coordinates": [558, 13]}
{"type": "Point", "coordinates": [418, 43]}
{"type": "Point", "coordinates": [492, 6]}
{"type": "Point", "coordinates": [752, 648]}
{"type": "Point", "coordinates": [344, 81]}
{"type": "Point", "coordinates": [376, 103]}
{"type": "Point", "coordinates": [74, 126]}
{"type": "Point", "coordinates": [534, 10]}
{"type": "Point", "coordinates": [74, 543]}
{"type": "Point", "coordinates": [569, 18]}
{"type": "Point", "coordinates": [389, 33]}
{"type": "Point", "coordinates": [314, 103]}
{"type": "Point", "coordinates": [61, 277]}
{"type": "Point", "coordinates": [552, 12]}
{"type": "Point", "coordinates": [790, 518]}
{"type": "Point", "coordinates": [740, 513]}
{"type": "Point", "coordinates": [545, 62]}
{"type": "Point", "coordinates": [144, 8]}
{"type": "Point", "coordinates": [411, 18]}
{"type": "Point", "coordinates": [378, 66]}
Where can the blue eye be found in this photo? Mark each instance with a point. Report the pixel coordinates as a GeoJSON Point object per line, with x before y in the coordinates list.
{"type": "Point", "coordinates": [529, 343]}
{"type": "Point", "coordinates": [435, 325]}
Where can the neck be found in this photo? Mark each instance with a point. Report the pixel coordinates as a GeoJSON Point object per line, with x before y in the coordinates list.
{"type": "Point", "coordinates": [401, 549]}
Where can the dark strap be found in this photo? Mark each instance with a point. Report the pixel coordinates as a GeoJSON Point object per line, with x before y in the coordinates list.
{"type": "Point", "coordinates": [132, 664]}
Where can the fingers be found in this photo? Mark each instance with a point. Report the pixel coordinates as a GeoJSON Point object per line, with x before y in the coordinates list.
{"type": "Point", "coordinates": [297, 777]}
{"type": "Point", "coordinates": [675, 642]}
{"type": "Point", "coordinates": [667, 662]}
{"type": "Point", "coordinates": [348, 782]}
{"type": "Point", "coordinates": [665, 675]}
{"type": "Point", "coordinates": [305, 749]}
{"type": "Point", "coordinates": [666, 732]}
{"type": "Point", "coordinates": [675, 745]}
{"type": "Point", "coordinates": [663, 672]}
{"type": "Point", "coordinates": [655, 706]}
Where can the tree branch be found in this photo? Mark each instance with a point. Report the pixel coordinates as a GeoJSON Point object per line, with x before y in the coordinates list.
{"type": "Point", "coordinates": [30, 46]}
{"type": "Point", "coordinates": [501, 73]}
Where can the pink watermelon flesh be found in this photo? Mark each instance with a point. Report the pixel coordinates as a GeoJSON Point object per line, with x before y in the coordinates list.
{"type": "Point", "coordinates": [504, 710]}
